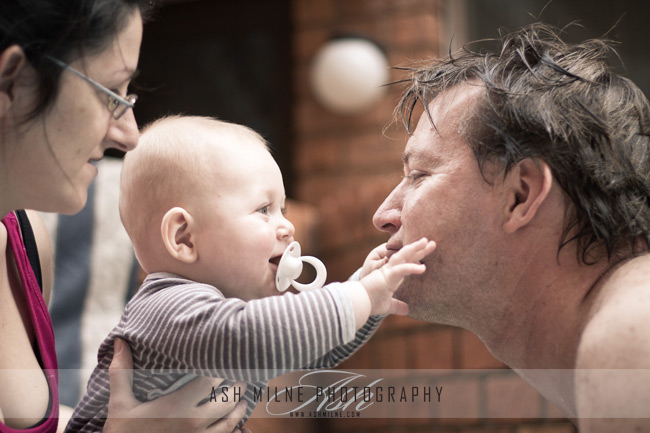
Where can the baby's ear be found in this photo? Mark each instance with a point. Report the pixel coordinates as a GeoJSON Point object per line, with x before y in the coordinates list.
{"type": "Point", "coordinates": [178, 232]}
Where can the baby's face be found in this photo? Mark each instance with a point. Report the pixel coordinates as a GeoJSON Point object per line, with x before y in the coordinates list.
{"type": "Point", "coordinates": [242, 228]}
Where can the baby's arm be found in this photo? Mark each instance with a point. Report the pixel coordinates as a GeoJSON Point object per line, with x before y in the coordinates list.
{"type": "Point", "coordinates": [373, 279]}
{"type": "Point", "coordinates": [373, 294]}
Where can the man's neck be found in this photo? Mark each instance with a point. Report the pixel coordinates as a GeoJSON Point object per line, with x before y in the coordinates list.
{"type": "Point", "coordinates": [539, 331]}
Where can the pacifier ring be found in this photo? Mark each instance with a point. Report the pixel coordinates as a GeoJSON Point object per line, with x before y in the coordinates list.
{"type": "Point", "coordinates": [290, 267]}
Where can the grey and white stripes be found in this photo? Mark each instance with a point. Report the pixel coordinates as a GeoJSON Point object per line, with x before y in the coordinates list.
{"type": "Point", "coordinates": [178, 329]}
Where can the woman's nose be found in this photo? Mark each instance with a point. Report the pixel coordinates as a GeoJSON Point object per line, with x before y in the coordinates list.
{"type": "Point", "coordinates": [123, 132]}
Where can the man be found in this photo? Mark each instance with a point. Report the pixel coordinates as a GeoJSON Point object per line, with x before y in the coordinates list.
{"type": "Point", "coordinates": [530, 168]}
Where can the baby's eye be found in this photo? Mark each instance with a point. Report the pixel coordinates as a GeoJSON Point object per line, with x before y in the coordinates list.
{"type": "Point", "coordinates": [264, 210]}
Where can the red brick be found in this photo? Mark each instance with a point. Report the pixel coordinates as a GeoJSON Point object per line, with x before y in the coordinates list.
{"type": "Point", "coordinates": [562, 427]}
{"type": "Point", "coordinates": [460, 400]}
{"type": "Point", "coordinates": [393, 352]}
{"type": "Point", "coordinates": [318, 155]}
{"type": "Point", "coordinates": [362, 359]}
{"type": "Point", "coordinates": [280, 425]}
{"type": "Point", "coordinates": [433, 349]}
{"type": "Point", "coordinates": [552, 412]}
{"type": "Point", "coordinates": [401, 322]}
{"type": "Point", "coordinates": [346, 207]}
{"type": "Point", "coordinates": [301, 84]}
{"type": "Point", "coordinates": [342, 265]}
{"type": "Point", "coordinates": [378, 424]}
{"type": "Point", "coordinates": [354, 8]}
{"type": "Point", "coordinates": [305, 219]}
{"type": "Point", "coordinates": [372, 150]}
{"type": "Point", "coordinates": [307, 43]}
{"type": "Point", "coordinates": [474, 354]}
{"type": "Point", "coordinates": [405, 6]}
{"type": "Point", "coordinates": [309, 117]}
{"type": "Point", "coordinates": [511, 398]}
{"type": "Point", "coordinates": [416, 30]}
{"type": "Point", "coordinates": [486, 429]}
{"type": "Point", "coordinates": [310, 12]}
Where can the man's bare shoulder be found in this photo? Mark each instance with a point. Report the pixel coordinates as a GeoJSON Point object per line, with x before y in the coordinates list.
{"type": "Point", "coordinates": [617, 332]}
{"type": "Point", "coordinates": [613, 358]}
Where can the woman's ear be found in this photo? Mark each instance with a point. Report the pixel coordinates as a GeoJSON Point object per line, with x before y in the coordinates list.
{"type": "Point", "coordinates": [178, 235]}
{"type": "Point", "coordinates": [12, 61]}
{"type": "Point", "coordinates": [528, 184]}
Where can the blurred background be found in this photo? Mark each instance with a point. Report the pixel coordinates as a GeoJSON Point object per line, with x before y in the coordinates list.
{"type": "Point", "coordinates": [253, 62]}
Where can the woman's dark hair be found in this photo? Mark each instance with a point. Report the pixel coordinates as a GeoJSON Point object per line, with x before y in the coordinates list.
{"type": "Point", "coordinates": [561, 103]}
{"type": "Point", "coordinates": [63, 29]}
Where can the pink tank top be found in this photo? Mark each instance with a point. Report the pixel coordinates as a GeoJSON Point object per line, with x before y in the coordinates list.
{"type": "Point", "coordinates": [42, 325]}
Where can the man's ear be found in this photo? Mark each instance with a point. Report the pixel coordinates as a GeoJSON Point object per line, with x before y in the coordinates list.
{"type": "Point", "coordinates": [178, 235]}
{"type": "Point", "coordinates": [12, 62]}
{"type": "Point", "coordinates": [528, 184]}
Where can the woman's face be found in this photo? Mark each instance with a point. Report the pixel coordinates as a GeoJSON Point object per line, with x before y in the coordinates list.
{"type": "Point", "coordinates": [51, 164]}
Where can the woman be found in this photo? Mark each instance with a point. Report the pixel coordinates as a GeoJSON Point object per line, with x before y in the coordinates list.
{"type": "Point", "coordinates": [64, 72]}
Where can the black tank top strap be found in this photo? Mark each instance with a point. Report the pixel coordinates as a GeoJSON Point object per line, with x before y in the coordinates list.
{"type": "Point", "coordinates": [30, 245]}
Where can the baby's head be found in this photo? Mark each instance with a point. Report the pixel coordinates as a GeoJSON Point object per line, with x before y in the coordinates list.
{"type": "Point", "coordinates": [204, 199]}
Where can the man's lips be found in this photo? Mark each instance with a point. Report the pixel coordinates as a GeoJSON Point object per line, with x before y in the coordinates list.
{"type": "Point", "coordinates": [392, 249]}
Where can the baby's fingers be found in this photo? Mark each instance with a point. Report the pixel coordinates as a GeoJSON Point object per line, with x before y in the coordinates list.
{"type": "Point", "coordinates": [414, 252]}
{"type": "Point", "coordinates": [378, 253]}
{"type": "Point", "coordinates": [394, 274]}
{"type": "Point", "coordinates": [427, 249]}
{"type": "Point", "coordinates": [398, 307]}
{"type": "Point", "coordinates": [405, 269]}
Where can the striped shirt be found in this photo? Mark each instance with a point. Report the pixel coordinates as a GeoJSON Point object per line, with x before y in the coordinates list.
{"type": "Point", "coordinates": [178, 329]}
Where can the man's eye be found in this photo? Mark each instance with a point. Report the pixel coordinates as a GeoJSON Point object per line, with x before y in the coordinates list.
{"type": "Point", "coordinates": [413, 177]}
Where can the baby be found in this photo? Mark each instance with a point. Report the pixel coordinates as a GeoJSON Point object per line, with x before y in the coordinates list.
{"type": "Point", "coordinates": [203, 203]}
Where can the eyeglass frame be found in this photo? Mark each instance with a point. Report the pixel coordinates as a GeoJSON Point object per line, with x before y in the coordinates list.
{"type": "Point", "coordinates": [127, 102]}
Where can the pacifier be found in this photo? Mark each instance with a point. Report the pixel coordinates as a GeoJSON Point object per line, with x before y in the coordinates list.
{"type": "Point", "coordinates": [290, 268]}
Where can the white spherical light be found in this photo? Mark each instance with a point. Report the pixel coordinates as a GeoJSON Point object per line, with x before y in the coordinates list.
{"type": "Point", "coordinates": [348, 75]}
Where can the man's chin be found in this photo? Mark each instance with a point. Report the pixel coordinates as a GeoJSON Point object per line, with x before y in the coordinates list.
{"type": "Point", "coordinates": [408, 287]}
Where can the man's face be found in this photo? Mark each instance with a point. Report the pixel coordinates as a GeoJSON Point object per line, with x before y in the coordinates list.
{"type": "Point", "coordinates": [444, 197]}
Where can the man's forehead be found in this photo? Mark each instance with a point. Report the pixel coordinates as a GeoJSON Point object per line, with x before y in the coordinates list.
{"type": "Point", "coordinates": [453, 103]}
{"type": "Point", "coordinates": [421, 153]}
{"type": "Point", "coordinates": [442, 123]}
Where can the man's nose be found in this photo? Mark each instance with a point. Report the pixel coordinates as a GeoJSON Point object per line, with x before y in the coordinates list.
{"type": "Point", "coordinates": [388, 217]}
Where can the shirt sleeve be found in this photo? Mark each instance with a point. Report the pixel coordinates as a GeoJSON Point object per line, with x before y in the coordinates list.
{"type": "Point", "coordinates": [343, 352]}
{"type": "Point", "coordinates": [193, 327]}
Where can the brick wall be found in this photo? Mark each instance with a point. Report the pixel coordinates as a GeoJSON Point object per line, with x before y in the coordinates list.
{"type": "Point", "coordinates": [345, 166]}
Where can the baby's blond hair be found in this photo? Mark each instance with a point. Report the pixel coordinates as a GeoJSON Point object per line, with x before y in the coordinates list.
{"type": "Point", "coordinates": [169, 167]}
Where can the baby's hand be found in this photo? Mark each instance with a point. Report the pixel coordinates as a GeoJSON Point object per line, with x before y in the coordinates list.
{"type": "Point", "coordinates": [382, 283]}
{"type": "Point", "coordinates": [375, 260]}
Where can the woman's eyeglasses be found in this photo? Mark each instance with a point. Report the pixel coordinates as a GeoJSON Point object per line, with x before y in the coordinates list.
{"type": "Point", "coordinates": [116, 105]}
